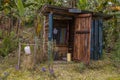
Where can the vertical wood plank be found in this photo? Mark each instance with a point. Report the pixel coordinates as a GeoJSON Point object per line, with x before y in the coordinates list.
{"type": "Point", "coordinates": [100, 37]}
{"type": "Point", "coordinates": [96, 39]}
{"type": "Point", "coordinates": [91, 43]}
{"type": "Point", "coordinates": [82, 40]}
{"type": "Point", "coordinates": [44, 49]}
{"type": "Point", "coordinates": [19, 55]}
{"type": "Point", "coordinates": [89, 28]}
{"type": "Point", "coordinates": [50, 35]}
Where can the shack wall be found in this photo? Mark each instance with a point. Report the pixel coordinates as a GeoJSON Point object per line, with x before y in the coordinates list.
{"type": "Point", "coordinates": [96, 38]}
{"type": "Point", "coordinates": [83, 34]}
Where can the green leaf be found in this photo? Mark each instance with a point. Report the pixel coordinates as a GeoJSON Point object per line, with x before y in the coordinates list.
{"type": "Point", "coordinates": [20, 7]}
{"type": "Point", "coordinates": [83, 4]}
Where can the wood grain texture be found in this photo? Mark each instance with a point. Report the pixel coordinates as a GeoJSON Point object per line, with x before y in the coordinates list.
{"type": "Point", "coordinates": [82, 40]}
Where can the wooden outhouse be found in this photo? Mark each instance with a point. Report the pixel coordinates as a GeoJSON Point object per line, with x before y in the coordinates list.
{"type": "Point", "coordinates": [75, 31]}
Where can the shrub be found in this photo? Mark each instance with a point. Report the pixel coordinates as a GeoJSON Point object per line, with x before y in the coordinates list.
{"type": "Point", "coordinates": [116, 54]}
{"type": "Point", "coordinates": [8, 44]}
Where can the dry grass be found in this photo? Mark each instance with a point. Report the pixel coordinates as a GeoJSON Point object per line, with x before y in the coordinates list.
{"type": "Point", "coordinates": [27, 62]}
{"type": "Point", "coordinates": [97, 70]}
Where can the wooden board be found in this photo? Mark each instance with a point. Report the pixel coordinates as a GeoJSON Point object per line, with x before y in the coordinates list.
{"type": "Point", "coordinates": [82, 38]}
{"type": "Point", "coordinates": [96, 39]}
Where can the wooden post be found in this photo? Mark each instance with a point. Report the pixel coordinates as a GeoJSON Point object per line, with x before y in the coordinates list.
{"type": "Point", "coordinates": [19, 54]}
{"type": "Point", "coordinates": [35, 50]}
{"type": "Point", "coordinates": [50, 35]}
{"type": "Point", "coordinates": [44, 36]}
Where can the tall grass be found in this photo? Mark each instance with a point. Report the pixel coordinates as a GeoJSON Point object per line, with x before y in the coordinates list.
{"type": "Point", "coordinates": [116, 54]}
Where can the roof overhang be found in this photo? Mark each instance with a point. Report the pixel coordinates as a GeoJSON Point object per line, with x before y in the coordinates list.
{"type": "Point", "coordinates": [70, 12]}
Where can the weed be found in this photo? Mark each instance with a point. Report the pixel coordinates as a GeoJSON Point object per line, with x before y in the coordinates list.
{"type": "Point", "coordinates": [0, 34]}
{"type": "Point", "coordinates": [80, 67]}
{"type": "Point", "coordinates": [116, 54]}
{"type": "Point", "coordinates": [8, 44]}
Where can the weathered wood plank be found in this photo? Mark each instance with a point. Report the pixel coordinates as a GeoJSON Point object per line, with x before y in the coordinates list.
{"type": "Point", "coordinates": [100, 37]}
{"type": "Point", "coordinates": [84, 15]}
{"type": "Point", "coordinates": [82, 40]}
{"type": "Point", "coordinates": [50, 35]}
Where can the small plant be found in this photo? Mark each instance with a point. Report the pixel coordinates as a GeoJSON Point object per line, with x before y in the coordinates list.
{"type": "Point", "coordinates": [5, 46]}
{"type": "Point", "coordinates": [4, 76]}
{"type": "Point", "coordinates": [43, 69]}
{"type": "Point", "coordinates": [8, 44]}
{"type": "Point", "coordinates": [50, 58]}
{"type": "Point", "coordinates": [80, 67]}
{"type": "Point", "coordinates": [0, 34]}
{"type": "Point", "coordinates": [116, 55]}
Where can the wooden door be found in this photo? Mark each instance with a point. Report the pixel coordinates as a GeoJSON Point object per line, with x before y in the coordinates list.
{"type": "Point", "coordinates": [82, 38]}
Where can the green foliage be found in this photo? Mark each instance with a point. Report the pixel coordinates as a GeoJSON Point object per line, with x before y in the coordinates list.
{"type": "Point", "coordinates": [50, 51]}
{"type": "Point", "coordinates": [0, 33]}
{"type": "Point", "coordinates": [8, 45]}
{"type": "Point", "coordinates": [111, 34]}
{"type": "Point", "coordinates": [4, 77]}
{"type": "Point", "coordinates": [116, 53]}
{"type": "Point", "coordinates": [117, 49]}
{"type": "Point", "coordinates": [96, 5]}
{"type": "Point", "coordinates": [83, 4]}
{"type": "Point", "coordinates": [20, 7]}
{"type": "Point", "coordinates": [80, 67]}
{"type": "Point", "coordinates": [112, 40]}
{"type": "Point", "coordinates": [114, 78]}
{"type": "Point", "coordinates": [108, 34]}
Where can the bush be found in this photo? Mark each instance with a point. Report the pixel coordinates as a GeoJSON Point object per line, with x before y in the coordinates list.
{"type": "Point", "coordinates": [116, 54]}
{"type": "Point", "coordinates": [8, 44]}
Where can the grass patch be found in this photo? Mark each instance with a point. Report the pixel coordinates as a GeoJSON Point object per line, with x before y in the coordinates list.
{"type": "Point", "coordinates": [97, 70]}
